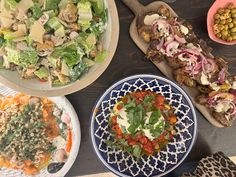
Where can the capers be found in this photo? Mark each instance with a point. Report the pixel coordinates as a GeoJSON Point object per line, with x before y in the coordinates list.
{"type": "Point", "coordinates": [225, 23]}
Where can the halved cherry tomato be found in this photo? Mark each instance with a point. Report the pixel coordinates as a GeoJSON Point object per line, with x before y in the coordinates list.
{"type": "Point", "coordinates": [160, 99]}
{"type": "Point", "coordinates": [143, 140]}
{"type": "Point", "coordinates": [131, 142]}
{"type": "Point", "coordinates": [148, 149]}
{"type": "Point", "coordinates": [114, 119]}
{"type": "Point", "coordinates": [173, 119]}
{"type": "Point", "coordinates": [127, 137]}
{"type": "Point", "coordinates": [119, 106]}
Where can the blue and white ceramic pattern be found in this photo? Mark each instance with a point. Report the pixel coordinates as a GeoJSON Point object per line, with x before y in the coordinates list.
{"type": "Point", "coordinates": [123, 164]}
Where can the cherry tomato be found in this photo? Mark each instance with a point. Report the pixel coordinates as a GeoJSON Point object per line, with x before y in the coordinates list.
{"type": "Point", "coordinates": [132, 142]}
{"type": "Point", "coordinates": [127, 137]}
{"type": "Point", "coordinates": [160, 99]}
{"type": "Point", "coordinates": [173, 119]}
{"type": "Point", "coordinates": [114, 119]}
{"type": "Point", "coordinates": [119, 106]}
{"type": "Point", "coordinates": [143, 140]}
{"type": "Point", "coordinates": [138, 136]}
{"type": "Point", "coordinates": [148, 149]}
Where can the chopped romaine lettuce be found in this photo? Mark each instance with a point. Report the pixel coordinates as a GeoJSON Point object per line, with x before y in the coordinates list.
{"type": "Point", "coordinates": [37, 11]}
{"type": "Point", "coordinates": [10, 4]}
{"type": "Point", "coordinates": [78, 70]}
{"type": "Point", "coordinates": [85, 14]}
{"type": "Point", "coordinates": [69, 53]}
{"type": "Point", "coordinates": [98, 6]}
{"type": "Point", "coordinates": [53, 61]}
{"type": "Point", "coordinates": [22, 58]}
{"type": "Point", "coordinates": [101, 56]}
{"type": "Point", "coordinates": [42, 73]}
{"type": "Point", "coordinates": [54, 23]}
{"type": "Point", "coordinates": [51, 4]}
{"type": "Point", "coordinates": [60, 32]}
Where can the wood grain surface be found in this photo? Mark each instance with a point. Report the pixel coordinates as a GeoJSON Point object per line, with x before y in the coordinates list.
{"type": "Point", "coordinates": [129, 60]}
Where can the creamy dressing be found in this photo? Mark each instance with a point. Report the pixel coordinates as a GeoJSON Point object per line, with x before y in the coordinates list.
{"type": "Point", "coordinates": [149, 19]}
{"type": "Point", "coordinates": [204, 79]}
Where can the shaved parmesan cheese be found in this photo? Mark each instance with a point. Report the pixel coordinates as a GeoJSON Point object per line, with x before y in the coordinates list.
{"type": "Point", "coordinates": [184, 29]}
{"type": "Point", "coordinates": [149, 19]}
{"type": "Point", "coordinates": [36, 32]}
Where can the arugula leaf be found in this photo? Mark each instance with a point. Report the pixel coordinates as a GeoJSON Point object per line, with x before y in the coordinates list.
{"type": "Point", "coordinates": [137, 151]}
{"type": "Point", "coordinates": [155, 116]}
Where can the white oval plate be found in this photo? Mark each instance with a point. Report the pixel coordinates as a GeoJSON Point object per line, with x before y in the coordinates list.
{"type": "Point", "coordinates": [65, 105]}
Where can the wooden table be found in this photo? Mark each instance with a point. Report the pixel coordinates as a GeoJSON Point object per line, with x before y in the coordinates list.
{"type": "Point", "coordinates": [129, 60]}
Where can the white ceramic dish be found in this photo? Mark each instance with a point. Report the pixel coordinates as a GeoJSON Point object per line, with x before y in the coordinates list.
{"type": "Point", "coordinates": [64, 104]}
{"type": "Point", "coordinates": [35, 87]}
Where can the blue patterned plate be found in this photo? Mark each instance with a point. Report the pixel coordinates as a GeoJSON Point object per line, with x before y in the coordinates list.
{"type": "Point", "coordinates": [123, 164]}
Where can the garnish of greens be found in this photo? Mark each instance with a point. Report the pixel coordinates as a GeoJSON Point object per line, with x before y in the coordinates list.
{"type": "Point", "coordinates": [33, 133]}
{"type": "Point", "coordinates": [52, 40]}
{"type": "Point", "coordinates": [141, 123]}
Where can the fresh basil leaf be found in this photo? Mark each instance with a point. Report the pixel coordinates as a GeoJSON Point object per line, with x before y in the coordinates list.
{"type": "Point", "coordinates": [132, 128]}
{"type": "Point", "coordinates": [137, 151]}
{"type": "Point", "coordinates": [130, 104]}
{"type": "Point", "coordinates": [155, 116]}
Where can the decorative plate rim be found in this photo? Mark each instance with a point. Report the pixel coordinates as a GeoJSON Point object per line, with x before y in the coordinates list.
{"type": "Point", "coordinates": [100, 98]}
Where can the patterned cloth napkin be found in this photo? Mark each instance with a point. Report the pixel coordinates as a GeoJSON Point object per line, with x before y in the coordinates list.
{"type": "Point", "coordinates": [217, 165]}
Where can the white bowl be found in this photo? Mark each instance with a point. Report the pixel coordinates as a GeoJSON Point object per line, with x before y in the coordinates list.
{"type": "Point", "coordinates": [12, 79]}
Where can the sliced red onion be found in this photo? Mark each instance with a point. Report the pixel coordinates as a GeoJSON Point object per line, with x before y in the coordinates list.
{"type": "Point", "coordinates": [171, 48]}
{"type": "Point", "coordinates": [222, 75]}
{"type": "Point", "coordinates": [208, 66]}
{"type": "Point", "coordinates": [181, 40]}
{"type": "Point", "coordinates": [160, 45]}
{"type": "Point", "coordinates": [233, 92]}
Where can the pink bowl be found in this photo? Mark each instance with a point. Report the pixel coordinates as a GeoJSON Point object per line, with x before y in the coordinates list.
{"type": "Point", "coordinates": [210, 20]}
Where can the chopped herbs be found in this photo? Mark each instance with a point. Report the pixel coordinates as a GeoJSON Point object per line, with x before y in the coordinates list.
{"type": "Point", "coordinates": [141, 123]}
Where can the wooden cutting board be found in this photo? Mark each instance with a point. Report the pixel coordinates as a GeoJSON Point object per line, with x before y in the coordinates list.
{"type": "Point", "coordinates": [137, 9]}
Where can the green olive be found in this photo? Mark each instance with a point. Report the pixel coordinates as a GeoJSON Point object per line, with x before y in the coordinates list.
{"type": "Point", "coordinates": [233, 15]}
{"type": "Point", "coordinates": [220, 11]}
{"type": "Point", "coordinates": [233, 11]}
{"type": "Point", "coordinates": [229, 20]}
{"type": "Point", "coordinates": [229, 39]}
{"type": "Point", "coordinates": [230, 5]}
{"type": "Point", "coordinates": [220, 27]}
{"type": "Point", "coordinates": [217, 21]}
{"type": "Point", "coordinates": [218, 35]}
{"type": "Point", "coordinates": [231, 25]}
{"type": "Point", "coordinates": [217, 16]}
{"type": "Point", "coordinates": [222, 17]}
{"type": "Point", "coordinates": [234, 20]}
{"type": "Point", "coordinates": [227, 11]}
{"type": "Point", "coordinates": [226, 27]}
{"type": "Point", "coordinates": [233, 36]}
{"type": "Point", "coordinates": [224, 33]}
{"type": "Point", "coordinates": [222, 22]}
{"type": "Point", "coordinates": [233, 30]}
